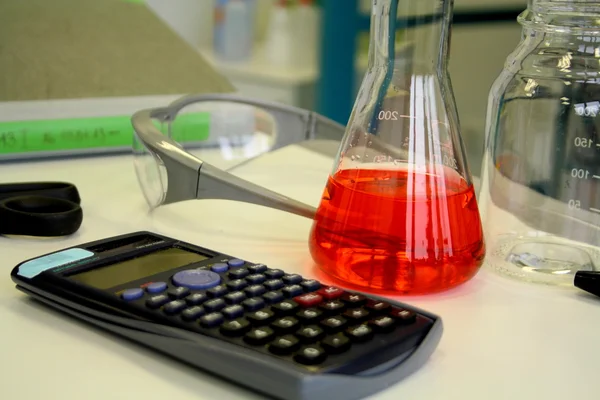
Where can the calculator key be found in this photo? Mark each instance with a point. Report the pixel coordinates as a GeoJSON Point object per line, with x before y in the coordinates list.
{"type": "Point", "coordinates": [237, 327]}
{"type": "Point", "coordinates": [353, 300]}
{"type": "Point", "coordinates": [334, 324]}
{"type": "Point", "coordinates": [331, 292]}
{"type": "Point", "coordinates": [310, 355]}
{"type": "Point", "coordinates": [274, 284]}
{"type": "Point", "coordinates": [333, 307]}
{"type": "Point", "coordinates": [308, 300]}
{"type": "Point", "coordinates": [261, 317]}
{"type": "Point", "coordinates": [239, 273]}
{"type": "Point", "coordinates": [356, 315]}
{"type": "Point", "coordinates": [237, 284]}
{"type": "Point", "coordinates": [233, 311]}
{"type": "Point", "coordinates": [378, 307]}
{"type": "Point", "coordinates": [310, 334]}
{"type": "Point", "coordinates": [259, 336]}
{"type": "Point", "coordinates": [256, 278]}
{"type": "Point", "coordinates": [382, 324]}
{"type": "Point", "coordinates": [174, 307]}
{"type": "Point", "coordinates": [156, 287]}
{"type": "Point", "coordinates": [132, 294]}
{"type": "Point", "coordinates": [285, 325]}
{"type": "Point", "coordinates": [274, 273]}
{"type": "Point", "coordinates": [286, 307]}
{"type": "Point", "coordinates": [292, 291]}
{"type": "Point", "coordinates": [284, 345]}
{"type": "Point", "coordinates": [257, 268]}
{"type": "Point", "coordinates": [211, 320]}
{"type": "Point", "coordinates": [292, 279]}
{"type": "Point", "coordinates": [309, 315]}
{"type": "Point", "coordinates": [196, 299]}
{"type": "Point", "coordinates": [255, 290]}
{"type": "Point", "coordinates": [235, 298]}
{"type": "Point", "coordinates": [218, 291]}
{"type": "Point", "coordinates": [403, 317]}
{"type": "Point", "coordinates": [178, 292]}
{"type": "Point", "coordinates": [360, 333]}
{"type": "Point", "coordinates": [157, 301]}
{"type": "Point", "coordinates": [310, 285]}
{"type": "Point", "coordinates": [236, 263]}
{"type": "Point", "coordinates": [196, 279]}
{"type": "Point", "coordinates": [336, 344]}
{"type": "Point", "coordinates": [219, 267]}
{"type": "Point", "coordinates": [253, 304]}
{"type": "Point", "coordinates": [214, 305]}
{"type": "Point", "coordinates": [193, 313]}
{"type": "Point", "coordinates": [273, 297]}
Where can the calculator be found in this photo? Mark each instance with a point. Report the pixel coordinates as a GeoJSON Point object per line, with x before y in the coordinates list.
{"type": "Point", "coordinates": [254, 325]}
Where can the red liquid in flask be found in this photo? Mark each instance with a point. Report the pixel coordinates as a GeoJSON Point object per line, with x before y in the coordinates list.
{"type": "Point", "coordinates": [398, 231]}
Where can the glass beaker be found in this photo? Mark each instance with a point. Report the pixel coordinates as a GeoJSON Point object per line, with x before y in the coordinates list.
{"type": "Point", "coordinates": [398, 213]}
{"type": "Point", "coordinates": [540, 193]}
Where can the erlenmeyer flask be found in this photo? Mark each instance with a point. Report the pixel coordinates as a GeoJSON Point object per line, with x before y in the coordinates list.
{"type": "Point", "coordinates": [399, 213]}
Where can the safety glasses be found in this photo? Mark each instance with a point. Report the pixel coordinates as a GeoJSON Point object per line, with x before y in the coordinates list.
{"type": "Point", "coordinates": [186, 150]}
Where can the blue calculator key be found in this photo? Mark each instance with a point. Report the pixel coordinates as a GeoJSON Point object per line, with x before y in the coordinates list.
{"type": "Point", "coordinates": [196, 279]}
{"type": "Point", "coordinates": [132, 294]}
{"type": "Point", "coordinates": [236, 262]}
{"type": "Point", "coordinates": [156, 287]}
{"type": "Point", "coordinates": [220, 267]}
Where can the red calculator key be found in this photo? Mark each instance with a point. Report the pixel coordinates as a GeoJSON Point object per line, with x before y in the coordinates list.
{"type": "Point", "coordinates": [308, 300]}
{"type": "Point", "coordinates": [331, 292]}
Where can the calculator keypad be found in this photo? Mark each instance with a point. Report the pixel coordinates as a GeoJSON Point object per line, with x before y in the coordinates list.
{"type": "Point", "coordinates": [281, 314]}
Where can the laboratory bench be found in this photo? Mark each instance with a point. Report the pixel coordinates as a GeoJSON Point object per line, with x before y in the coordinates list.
{"type": "Point", "coordinates": [502, 339]}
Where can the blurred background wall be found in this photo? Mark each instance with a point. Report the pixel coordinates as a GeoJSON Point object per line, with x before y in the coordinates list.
{"type": "Point", "coordinates": [322, 71]}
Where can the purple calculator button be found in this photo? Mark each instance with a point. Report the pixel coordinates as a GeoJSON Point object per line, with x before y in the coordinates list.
{"type": "Point", "coordinates": [132, 294]}
{"type": "Point", "coordinates": [196, 279]}
{"type": "Point", "coordinates": [156, 287]}
{"type": "Point", "coordinates": [236, 262]}
{"type": "Point", "coordinates": [220, 267]}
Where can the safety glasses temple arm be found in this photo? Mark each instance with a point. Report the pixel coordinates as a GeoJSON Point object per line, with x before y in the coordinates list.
{"type": "Point", "coordinates": [214, 183]}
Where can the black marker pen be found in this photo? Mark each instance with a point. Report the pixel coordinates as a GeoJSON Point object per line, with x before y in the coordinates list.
{"type": "Point", "coordinates": [588, 281]}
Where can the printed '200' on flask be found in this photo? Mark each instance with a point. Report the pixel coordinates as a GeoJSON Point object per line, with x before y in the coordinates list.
{"type": "Point", "coordinates": [399, 214]}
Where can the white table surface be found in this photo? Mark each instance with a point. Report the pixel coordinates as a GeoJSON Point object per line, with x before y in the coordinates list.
{"type": "Point", "coordinates": [503, 339]}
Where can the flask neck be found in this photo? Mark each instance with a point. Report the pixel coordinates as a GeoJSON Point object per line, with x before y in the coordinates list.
{"type": "Point", "coordinates": [563, 17]}
{"type": "Point", "coordinates": [410, 33]}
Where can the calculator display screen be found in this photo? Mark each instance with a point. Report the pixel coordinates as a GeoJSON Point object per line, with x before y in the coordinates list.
{"type": "Point", "coordinates": [137, 268]}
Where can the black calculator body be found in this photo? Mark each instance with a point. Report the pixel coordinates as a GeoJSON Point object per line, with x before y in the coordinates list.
{"type": "Point", "coordinates": [258, 326]}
